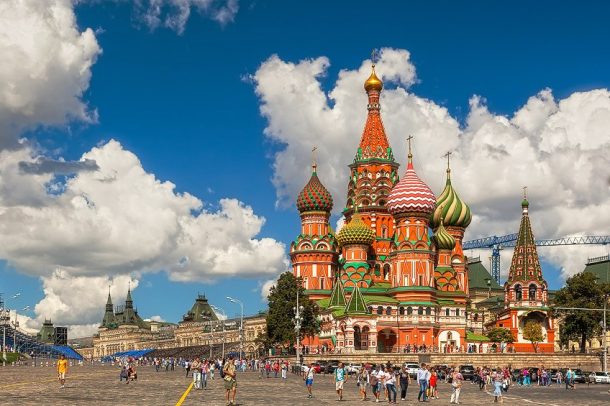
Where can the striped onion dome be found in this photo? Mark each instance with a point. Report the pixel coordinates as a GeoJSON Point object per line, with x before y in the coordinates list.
{"type": "Point", "coordinates": [451, 208]}
{"type": "Point", "coordinates": [411, 194]}
{"type": "Point", "coordinates": [314, 196]}
{"type": "Point", "coordinates": [442, 239]}
{"type": "Point", "coordinates": [356, 232]}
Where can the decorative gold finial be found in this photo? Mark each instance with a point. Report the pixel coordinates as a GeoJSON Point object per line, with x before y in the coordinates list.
{"type": "Point", "coordinates": [448, 155]}
{"type": "Point", "coordinates": [409, 138]}
{"type": "Point", "coordinates": [373, 82]}
{"type": "Point", "coordinates": [314, 165]}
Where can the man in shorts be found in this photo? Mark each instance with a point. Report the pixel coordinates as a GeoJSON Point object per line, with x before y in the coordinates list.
{"type": "Point", "coordinates": [308, 377]}
{"type": "Point", "coordinates": [340, 379]}
{"type": "Point", "coordinates": [62, 370]}
{"type": "Point", "coordinates": [230, 382]}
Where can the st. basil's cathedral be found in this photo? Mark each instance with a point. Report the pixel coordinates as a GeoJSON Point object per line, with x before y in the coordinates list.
{"type": "Point", "coordinates": [395, 276]}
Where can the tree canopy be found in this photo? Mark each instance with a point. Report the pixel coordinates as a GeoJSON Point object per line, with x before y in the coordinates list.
{"type": "Point", "coordinates": [280, 318]}
{"type": "Point", "coordinates": [532, 331]}
{"type": "Point", "coordinates": [500, 335]}
{"type": "Point", "coordinates": [584, 291]}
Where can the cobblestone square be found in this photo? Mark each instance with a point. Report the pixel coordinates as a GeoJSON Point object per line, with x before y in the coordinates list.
{"type": "Point", "coordinates": [99, 385]}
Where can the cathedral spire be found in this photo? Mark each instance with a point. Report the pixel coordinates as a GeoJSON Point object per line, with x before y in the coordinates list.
{"type": "Point", "coordinates": [356, 304]}
{"type": "Point", "coordinates": [337, 297]}
{"type": "Point", "coordinates": [525, 265]}
{"type": "Point", "coordinates": [129, 300]}
{"type": "Point", "coordinates": [374, 143]}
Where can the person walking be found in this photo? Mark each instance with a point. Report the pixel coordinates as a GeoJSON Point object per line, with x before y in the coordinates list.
{"type": "Point", "coordinates": [390, 384]}
{"type": "Point", "coordinates": [284, 370]}
{"type": "Point", "coordinates": [497, 379]}
{"type": "Point", "coordinates": [456, 386]}
{"type": "Point", "coordinates": [187, 367]}
{"type": "Point", "coordinates": [308, 378]}
{"type": "Point", "coordinates": [433, 380]}
{"type": "Point", "coordinates": [363, 382]}
{"type": "Point", "coordinates": [422, 380]}
{"type": "Point", "coordinates": [62, 370]}
{"type": "Point", "coordinates": [375, 381]}
{"type": "Point", "coordinates": [404, 383]}
{"type": "Point", "coordinates": [340, 379]}
{"type": "Point", "coordinates": [230, 380]}
{"type": "Point", "coordinates": [196, 373]}
{"type": "Point", "coordinates": [569, 377]}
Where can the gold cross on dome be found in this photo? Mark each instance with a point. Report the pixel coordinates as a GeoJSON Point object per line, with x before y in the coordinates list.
{"type": "Point", "coordinates": [314, 165]}
{"type": "Point", "coordinates": [409, 138]}
{"type": "Point", "coordinates": [525, 192]}
{"type": "Point", "coordinates": [374, 56]}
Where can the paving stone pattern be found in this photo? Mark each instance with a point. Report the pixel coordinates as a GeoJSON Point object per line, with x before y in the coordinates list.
{"type": "Point", "coordinates": [99, 385]}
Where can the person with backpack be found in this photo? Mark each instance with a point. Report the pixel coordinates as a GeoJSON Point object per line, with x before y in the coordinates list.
{"type": "Point", "coordinates": [403, 379]}
{"type": "Point", "coordinates": [230, 380]}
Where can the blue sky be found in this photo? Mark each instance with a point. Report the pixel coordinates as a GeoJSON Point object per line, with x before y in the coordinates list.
{"type": "Point", "coordinates": [185, 103]}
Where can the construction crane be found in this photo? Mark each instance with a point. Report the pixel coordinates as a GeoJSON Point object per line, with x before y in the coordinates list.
{"type": "Point", "coordinates": [498, 243]}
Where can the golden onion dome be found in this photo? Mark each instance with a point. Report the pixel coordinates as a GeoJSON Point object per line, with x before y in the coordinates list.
{"type": "Point", "coordinates": [373, 82]}
{"type": "Point", "coordinates": [356, 232]}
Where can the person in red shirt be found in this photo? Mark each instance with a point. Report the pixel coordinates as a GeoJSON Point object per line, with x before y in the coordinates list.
{"type": "Point", "coordinates": [433, 380]}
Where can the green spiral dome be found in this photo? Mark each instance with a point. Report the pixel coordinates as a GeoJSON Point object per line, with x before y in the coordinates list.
{"type": "Point", "coordinates": [442, 239]}
{"type": "Point", "coordinates": [356, 232]}
{"type": "Point", "coordinates": [451, 208]}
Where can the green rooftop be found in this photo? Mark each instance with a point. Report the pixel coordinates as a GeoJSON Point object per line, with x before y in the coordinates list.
{"type": "Point", "coordinates": [478, 276]}
{"type": "Point", "coordinates": [600, 267]}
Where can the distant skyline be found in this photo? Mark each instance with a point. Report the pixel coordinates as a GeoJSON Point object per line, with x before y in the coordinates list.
{"type": "Point", "coordinates": [164, 149]}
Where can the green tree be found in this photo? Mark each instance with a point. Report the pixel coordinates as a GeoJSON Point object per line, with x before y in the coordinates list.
{"type": "Point", "coordinates": [533, 332]}
{"type": "Point", "coordinates": [584, 291]}
{"type": "Point", "coordinates": [280, 318]}
{"type": "Point", "coordinates": [500, 335]}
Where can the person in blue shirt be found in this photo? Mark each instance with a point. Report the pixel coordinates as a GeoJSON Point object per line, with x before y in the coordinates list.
{"type": "Point", "coordinates": [340, 379]}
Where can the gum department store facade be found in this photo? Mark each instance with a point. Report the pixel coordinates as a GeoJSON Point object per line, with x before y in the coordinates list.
{"type": "Point", "coordinates": [122, 329]}
{"type": "Point", "coordinates": [395, 275]}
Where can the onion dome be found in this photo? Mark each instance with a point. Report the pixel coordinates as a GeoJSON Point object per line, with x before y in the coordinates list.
{"type": "Point", "coordinates": [411, 194]}
{"type": "Point", "coordinates": [373, 82]}
{"type": "Point", "coordinates": [314, 196]}
{"type": "Point", "coordinates": [442, 239]}
{"type": "Point", "coordinates": [451, 208]}
{"type": "Point", "coordinates": [355, 232]}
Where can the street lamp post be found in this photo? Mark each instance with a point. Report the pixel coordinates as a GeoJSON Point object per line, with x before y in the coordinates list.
{"type": "Point", "coordinates": [222, 312]}
{"type": "Point", "coordinates": [298, 319]}
{"type": "Point", "coordinates": [241, 325]}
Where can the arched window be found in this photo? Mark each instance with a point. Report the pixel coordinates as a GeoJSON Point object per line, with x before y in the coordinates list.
{"type": "Point", "coordinates": [447, 312]}
{"type": "Point", "coordinates": [386, 271]}
{"type": "Point", "coordinates": [409, 311]}
{"type": "Point", "coordinates": [518, 293]}
{"type": "Point", "coordinates": [420, 310]}
{"type": "Point", "coordinates": [428, 311]}
{"type": "Point", "coordinates": [379, 310]}
{"type": "Point", "coordinates": [476, 317]}
{"type": "Point", "coordinates": [384, 229]}
{"type": "Point", "coordinates": [388, 311]}
{"type": "Point", "coordinates": [371, 309]}
{"type": "Point", "coordinates": [532, 292]}
{"type": "Point", "coordinates": [377, 270]}
{"type": "Point", "coordinates": [457, 312]}
{"type": "Point", "coordinates": [401, 311]}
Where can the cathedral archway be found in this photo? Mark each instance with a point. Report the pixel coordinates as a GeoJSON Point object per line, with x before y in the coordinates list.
{"type": "Point", "coordinates": [386, 340]}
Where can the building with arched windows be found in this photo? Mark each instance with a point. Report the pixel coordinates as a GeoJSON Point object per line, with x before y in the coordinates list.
{"type": "Point", "coordinates": [394, 277]}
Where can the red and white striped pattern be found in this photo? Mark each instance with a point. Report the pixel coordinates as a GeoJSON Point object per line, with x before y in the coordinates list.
{"type": "Point", "coordinates": [411, 194]}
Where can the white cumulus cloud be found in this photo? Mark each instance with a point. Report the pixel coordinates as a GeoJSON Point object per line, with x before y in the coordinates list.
{"type": "Point", "coordinates": [560, 149]}
{"type": "Point", "coordinates": [45, 66]}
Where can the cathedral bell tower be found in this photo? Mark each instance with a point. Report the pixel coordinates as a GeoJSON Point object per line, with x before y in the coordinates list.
{"type": "Point", "coordinates": [372, 176]}
{"type": "Point", "coordinates": [314, 252]}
